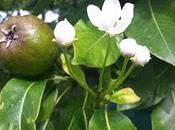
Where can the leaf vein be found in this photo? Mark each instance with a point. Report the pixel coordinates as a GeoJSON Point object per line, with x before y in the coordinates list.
{"type": "Point", "coordinates": [106, 118]}
{"type": "Point", "coordinates": [22, 104]}
{"type": "Point", "coordinates": [158, 28]}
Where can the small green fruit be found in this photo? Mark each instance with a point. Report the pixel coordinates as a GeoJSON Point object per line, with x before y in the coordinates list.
{"type": "Point", "coordinates": [26, 47]}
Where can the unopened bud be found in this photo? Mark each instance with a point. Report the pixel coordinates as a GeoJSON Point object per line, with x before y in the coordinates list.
{"type": "Point", "coordinates": [128, 47]}
{"type": "Point", "coordinates": [64, 33]}
{"type": "Point", "coordinates": [142, 56]}
{"type": "Point", "coordinates": [124, 96]}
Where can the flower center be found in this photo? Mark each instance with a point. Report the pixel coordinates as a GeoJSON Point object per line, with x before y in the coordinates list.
{"type": "Point", "coordinates": [117, 21]}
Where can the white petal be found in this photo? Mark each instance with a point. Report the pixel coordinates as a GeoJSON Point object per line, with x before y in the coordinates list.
{"type": "Point", "coordinates": [142, 56]}
{"type": "Point", "coordinates": [112, 8]}
{"type": "Point", "coordinates": [117, 29]}
{"type": "Point", "coordinates": [40, 16]}
{"type": "Point", "coordinates": [125, 21]}
{"type": "Point", "coordinates": [127, 15]}
{"type": "Point", "coordinates": [94, 14]}
{"type": "Point", "coordinates": [127, 12]}
{"type": "Point", "coordinates": [111, 11]}
{"type": "Point", "coordinates": [3, 14]}
{"type": "Point", "coordinates": [64, 33]}
{"type": "Point", "coordinates": [51, 16]}
{"type": "Point", "coordinates": [24, 12]}
{"type": "Point", "coordinates": [128, 47]}
{"type": "Point", "coordinates": [15, 13]}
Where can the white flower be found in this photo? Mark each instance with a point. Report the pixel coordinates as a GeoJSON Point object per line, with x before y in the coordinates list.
{"type": "Point", "coordinates": [139, 54]}
{"type": "Point", "coordinates": [24, 12]}
{"type": "Point", "coordinates": [51, 16]}
{"type": "Point", "coordinates": [111, 19]}
{"type": "Point", "coordinates": [142, 55]}
{"type": "Point", "coordinates": [3, 15]}
{"type": "Point", "coordinates": [40, 16]}
{"type": "Point", "coordinates": [64, 33]}
{"type": "Point", "coordinates": [128, 47]}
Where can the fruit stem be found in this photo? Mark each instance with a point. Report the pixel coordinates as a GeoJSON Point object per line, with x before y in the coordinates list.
{"type": "Point", "coordinates": [103, 66]}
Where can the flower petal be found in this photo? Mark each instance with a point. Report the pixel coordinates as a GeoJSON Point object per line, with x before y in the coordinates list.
{"type": "Point", "coordinates": [94, 14]}
{"type": "Point", "coordinates": [126, 19]}
{"type": "Point", "coordinates": [128, 47]}
{"type": "Point", "coordinates": [127, 15]}
{"type": "Point", "coordinates": [64, 33]}
{"type": "Point", "coordinates": [142, 55]}
{"type": "Point", "coordinates": [111, 10]}
{"type": "Point", "coordinates": [127, 12]}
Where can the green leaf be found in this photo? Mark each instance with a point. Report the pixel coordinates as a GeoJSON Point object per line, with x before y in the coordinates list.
{"type": "Point", "coordinates": [75, 72]}
{"type": "Point", "coordinates": [48, 105]}
{"type": "Point", "coordinates": [46, 110]}
{"type": "Point", "coordinates": [78, 121]}
{"type": "Point", "coordinates": [89, 50]}
{"type": "Point", "coordinates": [67, 107]}
{"type": "Point", "coordinates": [163, 115]}
{"type": "Point", "coordinates": [116, 120]}
{"type": "Point", "coordinates": [20, 104]}
{"type": "Point", "coordinates": [153, 26]}
{"type": "Point", "coordinates": [153, 83]}
{"type": "Point", "coordinates": [50, 126]}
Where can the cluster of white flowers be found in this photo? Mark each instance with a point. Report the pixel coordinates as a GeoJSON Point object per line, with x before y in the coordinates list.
{"type": "Point", "coordinates": [139, 54]}
{"type": "Point", "coordinates": [113, 20]}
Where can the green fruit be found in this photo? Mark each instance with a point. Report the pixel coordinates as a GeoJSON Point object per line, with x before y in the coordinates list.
{"type": "Point", "coordinates": [26, 47]}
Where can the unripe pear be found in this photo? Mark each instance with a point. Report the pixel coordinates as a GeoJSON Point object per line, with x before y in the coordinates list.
{"type": "Point", "coordinates": [26, 46]}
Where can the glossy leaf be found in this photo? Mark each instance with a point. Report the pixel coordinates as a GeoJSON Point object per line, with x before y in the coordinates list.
{"type": "Point", "coordinates": [50, 126]}
{"type": "Point", "coordinates": [75, 72]}
{"type": "Point", "coordinates": [76, 123]}
{"type": "Point", "coordinates": [89, 50]}
{"type": "Point", "coordinates": [20, 104]}
{"type": "Point", "coordinates": [153, 26]}
{"type": "Point", "coordinates": [46, 110]}
{"type": "Point", "coordinates": [153, 82]}
{"type": "Point", "coordinates": [78, 120]}
{"type": "Point", "coordinates": [163, 115]}
{"type": "Point", "coordinates": [116, 120]}
{"type": "Point", "coordinates": [48, 105]}
{"type": "Point", "coordinates": [67, 107]}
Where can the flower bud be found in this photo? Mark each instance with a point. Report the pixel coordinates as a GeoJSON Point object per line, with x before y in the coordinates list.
{"type": "Point", "coordinates": [142, 55]}
{"type": "Point", "coordinates": [128, 47]}
{"type": "Point", "coordinates": [124, 96]}
{"type": "Point", "coordinates": [64, 33]}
